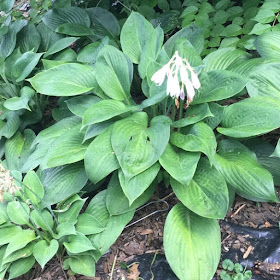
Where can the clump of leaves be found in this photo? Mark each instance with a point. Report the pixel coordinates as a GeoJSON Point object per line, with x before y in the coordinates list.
{"type": "Point", "coordinates": [234, 271]}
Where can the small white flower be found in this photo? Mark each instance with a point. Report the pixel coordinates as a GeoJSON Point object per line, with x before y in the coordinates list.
{"type": "Point", "coordinates": [180, 76]}
{"type": "Point", "coordinates": [159, 76]}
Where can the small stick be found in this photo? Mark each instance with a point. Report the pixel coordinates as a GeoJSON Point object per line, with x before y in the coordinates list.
{"type": "Point", "coordinates": [237, 211]}
{"type": "Point", "coordinates": [113, 267]}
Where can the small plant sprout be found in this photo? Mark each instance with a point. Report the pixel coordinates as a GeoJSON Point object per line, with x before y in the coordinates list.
{"type": "Point", "coordinates": [181, 78]}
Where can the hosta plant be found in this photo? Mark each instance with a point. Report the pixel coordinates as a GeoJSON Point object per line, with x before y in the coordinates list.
{"type": "Point", "coordinates": [141, 109]}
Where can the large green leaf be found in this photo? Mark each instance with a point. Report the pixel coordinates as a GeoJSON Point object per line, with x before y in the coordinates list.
{"type": "Point", "coordinates": [136, 146]}
{"type": "Point", "coordinates": [104, 110]}
{"type": "Point", "coordinates": [135, 188]}
{"type": "Point", "coordinates": [25, 64]}
{"type": "Point", "coordinates": [136, 32]}
{"type": "Point", "coordinates": [18, 212]}
{"type": "Point", "coordinates": [33, 188]}
{"type": "Point", "coordinates": [241, 169]}
{"type": "Point", "coordinates": [18, 149]}
{"type": "Point", "coordinates": [6, 5]}
{"type": "Point", "coordinates": [218, 112]}
{"type": "Point", "coordinates": [276, 152]}
{"type": "Point", "coordinates": [60, 45]}
{"type": "Point", "coordinates": [192, 33]}
{"type": "Point", "coordinates": [61, 182]}
{"type": "Point", "coordinates": [150, 50]}
{"type": "Point", "coordinates": [187, 247]}
{"type": "Point", "coordinates": [181, 165]}
{"type": "Point", "coordinates": [226, 84]}
{"type": "Point", "coordinates": [88, 224]}
{"type": "Point", "coordinates": [206, 194]}
{"type": "Point", "coordinates": [20, 102]}
{"type": "Point", "coordinates": [68, 148]}
{"type": "Point", "coordinates": [74, 29]}
{"type": "Point", "coordinates": [78, 243]}
{"type": "Point", "coordinates": [114, 73]}
{"type": "Point", "coordinates": [193, 115]}
{"type": "Point", "coordinates": [65, 80]}
{"type": "Point", "coordinates": [21, 266]}
{"type": "Point", "coordinates": [20, 240]}
{"type": "Point", "coordinates": [84, 265]}
{"type": "Point", "coordinates": [57, 17]}
{"type": "Point", "coordinates": [103, 23]}
{"type": "Point", "coordinates": [224, 58]}
{"type": "Point", "coordinates": [252, 116]}
{"type": "Point", "coordinates": [265, 81]}
{"type": "Point", "coordinates": [7, 233]}
{"type": "Point", "coordinates": [29, 38]}
{"type": "Point", "coordinates": [198, 138]}
{"type": "Point", "coordinates": [79, 104]}
{"type": "Point", "coordinates": [115, 225]}
{"type": "Point", "coordinates": [100, 159]}
{"type": "Point", "coordinates": [44, 251]}
{"type": "Point", "coordinates": [10, 125]}
{"type": "Point", "coordinates": [268, 45]}
{"type": "Point", "coordinates": [8, 41]}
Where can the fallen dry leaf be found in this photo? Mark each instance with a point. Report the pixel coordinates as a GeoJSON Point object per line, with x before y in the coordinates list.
{"type": "Point", "coordinates": [146, 231]}
{"type": "Point", "coordinates": [134, 272]}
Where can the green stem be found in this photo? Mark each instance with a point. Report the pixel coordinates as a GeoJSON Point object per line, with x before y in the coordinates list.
{"type": "Point", "coordinates": [173, 112]}
{"type": "Point", "coordinates": [181, 112]}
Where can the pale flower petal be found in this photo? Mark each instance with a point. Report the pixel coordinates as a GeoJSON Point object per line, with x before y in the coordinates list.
{"type": "Point", "coordinates": [159, 76]}
{"type": "Point", "coordinates": [190, 91]}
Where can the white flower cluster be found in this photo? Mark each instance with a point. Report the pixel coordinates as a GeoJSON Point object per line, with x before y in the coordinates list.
{"type": "Point", "coordinates": [175, 68]}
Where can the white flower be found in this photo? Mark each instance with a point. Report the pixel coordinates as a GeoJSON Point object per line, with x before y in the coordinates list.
{"type": "Point", "coordinates": [159, 76]}
{"type": "Point", "coordinates": [180, 77]}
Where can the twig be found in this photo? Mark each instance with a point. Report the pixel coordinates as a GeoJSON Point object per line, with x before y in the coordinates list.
{"type": "Point", "coordinates": [237, 211]}
{"type": "Point", "coordinates": [113, 267]}
{"type": "Point", "coordinates": [275, 19]}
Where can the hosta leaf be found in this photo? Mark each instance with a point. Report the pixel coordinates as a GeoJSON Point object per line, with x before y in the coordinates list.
{"type": "Point", "coordinates": [61, 182]}
{"type": "Point", "coordinates": [25, 64]}
{"type": "Point", "coordinates": [42, 219]}
{"type": "Point", "coordinates": [226, 84]}
{"type": "Point", "coordinates": [192, 33]}
{"type": "Point", "coordinates": [9, 127]}
{"type": "Point", "coordinates": [18, 212]}
{"type": "Point", "coordinates": [97, 208]}
{"type": "Point", "coordinates": [20, 240]}
{"type": "Point", "coordinates": [135, 188]}
{"type": "Point", "coordinates": [224, 58]}
{"type": "Point", "coordinates": [20, 102]}
{"type": "Point", "coordinates": [181, 165]}
{"type": "Point", "coordinates": [79, 104]}
{"type": "Point", "coordinates": [29, 38]}
{"type": "Point", "coordinates": [200, 138]}
{"type": "Point", "coordinates": [84, 265]}
{"type": "Point", "coordinates": [134, 35]}
{"type": "Point", "coordinates": [65, 80]}
{"type": "Point", "coordinates": [100, 159]}
{"type": "Point", "coordinates": [19, 254]}
{"type": "Point", "coordinates": [186, 243]}
{"type": "Point", "coordinates": [88, 224]}
{"type": "Point", "coordinates": [268, 46]}
{"type": "Point", "coordinates": [264, 81]}
{"type": "Point", "coordinates": [68, 148]}
{"type": "Point", "coordinates": [60, 45]}
{"type": "Point", "coordinates": [74, 29]}
{"type": "Point", "coordinates": [7, 233]}
{"type": "Point", "coordinates": [57, 17]}
{"type": "Point", "coordinates": [20, 267]}
{"type": "Point", "coordinates": [252, 116]}
{"type": "Point", "coordinates": [96, 129]}
{"type": "Point", "coordinates": [64, 229]}
{"type": "Point", "coordinates": [33, 188]}
{"type": "Point", "coordinates": [276, 153]}
{"type": "Point", "coordinates": [193, 115]}
{"type": "Point", "coordinates": [115, 225]}
{"type": "Point", "coordinates": [218, 112]}
{"type": "Point", "coordinates": [103, 23]}
{"type": "Point", "coordinates": [114, 73]}
{"type": "Point", "coordinates": [6, 5]}
{"type": "Point", "coordinates": [241, 169]}
{"type": "Point", "coordinates": [136, 146]}
{"type": "Point", "coordinates": [104, 110]}
{"type": "Point", "coordinates": [44, 251]}
{"type": "Point", "coordinates": [78, 243]}
{"type": "Point", "coordinates": [206, 194]}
